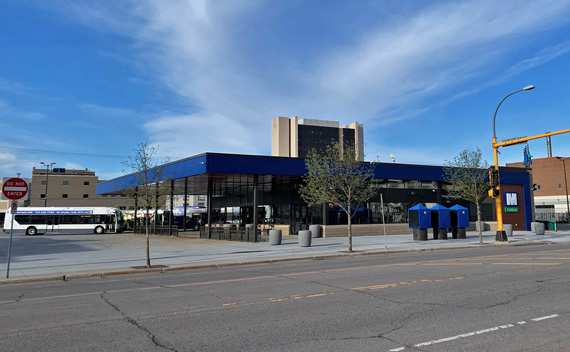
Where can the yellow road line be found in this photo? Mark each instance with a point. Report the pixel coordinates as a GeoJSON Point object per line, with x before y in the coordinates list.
{"type": "Point", "coordinates": [526, 263]}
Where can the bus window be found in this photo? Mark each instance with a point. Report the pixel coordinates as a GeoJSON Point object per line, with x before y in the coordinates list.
{"type": "Point", "coordinates": [39, 219]}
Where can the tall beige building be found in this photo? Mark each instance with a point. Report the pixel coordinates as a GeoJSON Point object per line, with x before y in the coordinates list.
{"type": "Point", "coordinates": [294, 137]}
{"type": "Point", "coordinates": [60, 187]}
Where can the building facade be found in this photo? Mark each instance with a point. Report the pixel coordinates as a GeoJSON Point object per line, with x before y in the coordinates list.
{"type": "Point", "coordinates": [550, 180]}
{"type": "Point", "coordinates": [59, 187]}
{"type": "Point", "coordinates": [294, 137]}
{"type": "Point", "coordinates": [246, 189]}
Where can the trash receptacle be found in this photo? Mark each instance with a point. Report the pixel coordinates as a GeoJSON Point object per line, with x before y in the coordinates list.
{"type": "Point", "coordinates": [305, 238]}
{"type": "Point", "coordinates": [508, 229]}
{"type": "Point", "coordinates": [419, 220]}
{"type": "Point", "coordinates": [440, 221]}
{"type": "Point", "coordinates": [275, 237]}
{"type": "Point", "coordinates": [315, 230]}
{"type": "Point", "coordinates": [552, 226]}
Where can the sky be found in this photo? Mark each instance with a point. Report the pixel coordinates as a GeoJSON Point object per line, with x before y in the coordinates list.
{"type": "Point", "coordinates": [83, 83]}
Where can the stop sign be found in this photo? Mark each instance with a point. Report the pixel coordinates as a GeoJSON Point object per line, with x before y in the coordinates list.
{"type": "Point", "coordinates": [14, 188]}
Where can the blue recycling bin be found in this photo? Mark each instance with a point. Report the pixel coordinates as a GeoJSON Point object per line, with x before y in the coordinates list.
{"type": "Point", "coordinates": [419, 220]}
{"type": "Point", "coordinates": [459, 218]}
{"type": "Point", "coordinates": [440, 221]}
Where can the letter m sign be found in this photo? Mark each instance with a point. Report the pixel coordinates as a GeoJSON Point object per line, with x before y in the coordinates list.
{"type": "Point", "coordinates": [511, 202]}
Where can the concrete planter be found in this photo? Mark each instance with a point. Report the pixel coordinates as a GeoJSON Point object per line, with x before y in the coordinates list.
{"type": "Point", "coordinates": [482, 226]}
{"type": "Point", "coordinates": [539, 228]}
{"type": "Point", "coordinates": [315, 231]}
{"type": "Point", "coordinates": [305, 238]}
{"type": "Point", "coordinates": [275, 237]}
{"type": "Point", "coordinates": [508, 229]}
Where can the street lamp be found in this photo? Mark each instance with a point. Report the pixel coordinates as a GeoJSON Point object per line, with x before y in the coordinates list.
{"type": "Point", "coordinates": [565, 184]}
{"type": "Point", "coordinates": [501, 235]}
{"type": "Point", "coordinates": [47, 173]}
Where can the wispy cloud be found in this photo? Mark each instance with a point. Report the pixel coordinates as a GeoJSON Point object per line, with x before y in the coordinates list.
{"type": "Point", "coordinates": [544, 56]}
{"type": "Point", "coordinates": [11, 113]}
{"type": "Point", "coordinates": [208, 53]}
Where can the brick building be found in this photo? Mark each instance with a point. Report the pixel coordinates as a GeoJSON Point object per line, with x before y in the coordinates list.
{"type": "Point", "coordinates": [550, 182]}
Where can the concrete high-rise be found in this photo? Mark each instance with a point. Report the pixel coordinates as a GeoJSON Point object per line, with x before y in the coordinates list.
{"type": "Point", "coordinates": [294, 137]}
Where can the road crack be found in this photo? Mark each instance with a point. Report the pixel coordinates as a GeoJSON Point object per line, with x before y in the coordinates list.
{"type": "Point", "coordinates": [13, 301]}
{"type": "Point", "coordinates": [133, 322]}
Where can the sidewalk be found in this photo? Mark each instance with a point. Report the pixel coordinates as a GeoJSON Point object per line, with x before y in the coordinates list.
{"type": "Point", "coordinates": [52, 257]}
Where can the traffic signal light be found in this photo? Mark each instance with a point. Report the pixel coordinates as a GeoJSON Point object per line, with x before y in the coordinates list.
{"type": "Point", "coordinates": [493, 177]}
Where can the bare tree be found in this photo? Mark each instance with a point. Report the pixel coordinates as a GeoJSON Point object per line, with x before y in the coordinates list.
{"type": "Point", "coordinates": [467, 174]}
{"type": "Point", "coordinates": [336, 176]}
{"type": "Point", "coordinates": [147, 188]}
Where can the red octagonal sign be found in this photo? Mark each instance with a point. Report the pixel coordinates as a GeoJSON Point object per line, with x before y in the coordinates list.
{"type": "Point", "coordinates": [15, 188]}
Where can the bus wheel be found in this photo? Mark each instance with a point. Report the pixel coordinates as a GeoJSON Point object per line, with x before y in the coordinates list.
{"type": "Point", "coordinates": [31, 231]}
{"type": "Point", "coordinates": [99, 230]}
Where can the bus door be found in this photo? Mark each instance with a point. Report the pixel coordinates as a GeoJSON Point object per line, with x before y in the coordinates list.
{"type": "Point", "coordinates": [52, 223]}
{"type": "Point", "coordinates": [112, 223]}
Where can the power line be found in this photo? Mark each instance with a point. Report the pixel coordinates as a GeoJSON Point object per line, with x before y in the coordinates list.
{"type": "Point", "coordinates": [87, 155]}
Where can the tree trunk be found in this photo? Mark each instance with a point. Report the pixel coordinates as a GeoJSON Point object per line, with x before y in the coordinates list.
{"type": "Point", "coordinates": [349, 231]}
{"type": "Point", "coordinates": [147, 240]}
{"type": "Point", "coordinates": [479, 221]}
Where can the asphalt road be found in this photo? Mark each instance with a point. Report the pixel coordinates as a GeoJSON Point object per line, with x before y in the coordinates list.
{"type": "Point", "coordinates": [495, 299]}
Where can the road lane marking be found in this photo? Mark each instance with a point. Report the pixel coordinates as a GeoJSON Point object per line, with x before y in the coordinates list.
{"type": "Point", "coordinates": [450, 264]}
{"type": "Point", "coordinates": [474, 333]}
{"type": "Point", "coordinates": [547, 264]}
{"type": "Point", "coordinates": [451, 338]}
{"type": "Point", "coordinates": [316, 295]}
{"type": "Point", "coordinates": [546, 317]}
{"type": "Point", "coordinates": [371, 287]}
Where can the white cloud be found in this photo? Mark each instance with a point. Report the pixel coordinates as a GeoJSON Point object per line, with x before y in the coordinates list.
{"type": "Point", "coordinates": [181, 136]}
{"type": "Point", "coordinates": [199, 50]}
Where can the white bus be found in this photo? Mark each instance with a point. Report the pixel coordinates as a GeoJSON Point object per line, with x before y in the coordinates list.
{"type": "Point", "coordinates": [72, 220]}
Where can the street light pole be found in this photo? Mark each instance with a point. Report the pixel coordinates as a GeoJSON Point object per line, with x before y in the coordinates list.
{"type": "Point", "coordinates": [501, 235]}
{"type": "Point", "coordinates": [47, 173]}
{"type": "Point", "coordinates": [566, 185]}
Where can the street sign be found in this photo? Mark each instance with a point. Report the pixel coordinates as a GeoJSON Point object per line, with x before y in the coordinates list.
{"type": "Point", "coordinates": [14, 188]}
{"type": "Point", "coordinates": [14, 207]}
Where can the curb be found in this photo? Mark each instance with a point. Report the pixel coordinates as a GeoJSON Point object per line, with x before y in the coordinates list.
{"type": "Point", "coordinates": [180, 267]}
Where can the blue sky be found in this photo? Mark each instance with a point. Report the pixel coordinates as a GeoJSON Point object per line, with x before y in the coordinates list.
{"type": "Point", "coordinates": [83, 82]}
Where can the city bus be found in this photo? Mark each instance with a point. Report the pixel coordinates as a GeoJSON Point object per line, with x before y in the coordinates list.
{"type": "Point", "coordinates": [72, 220]}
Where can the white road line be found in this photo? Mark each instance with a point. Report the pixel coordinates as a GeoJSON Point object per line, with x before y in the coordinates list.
{"type": "Point", "coordinates": [546, 317]}
{"type": "Point", "coordinates": [451, 338]}
{"type": "Point", "coordinates": [479, 332]}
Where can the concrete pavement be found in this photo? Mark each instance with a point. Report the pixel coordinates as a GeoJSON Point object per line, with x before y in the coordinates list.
{"type": "Point", "coordinates": [53, 257]}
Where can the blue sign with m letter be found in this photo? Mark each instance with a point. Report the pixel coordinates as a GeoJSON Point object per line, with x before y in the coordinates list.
{"type": "Point", "coordinates": [511, 202]}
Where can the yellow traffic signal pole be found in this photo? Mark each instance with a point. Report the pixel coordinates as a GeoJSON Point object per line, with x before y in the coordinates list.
{"type": "Point", "coordinates": [496, 193]}
{"type": "Point", "coordinates": [501, 235]}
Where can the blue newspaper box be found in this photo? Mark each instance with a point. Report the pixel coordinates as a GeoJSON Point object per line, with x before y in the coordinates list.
{"type": "Point", "coordinates": [440, 221]}
{"type": "Point", "coordinates": [419, 219]}
{"type": "Point", "coordinates": [459, 218]}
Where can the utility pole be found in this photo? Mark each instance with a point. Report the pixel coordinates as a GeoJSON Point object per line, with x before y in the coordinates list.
{"type": "Point", "coordinates": [48, 166]}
